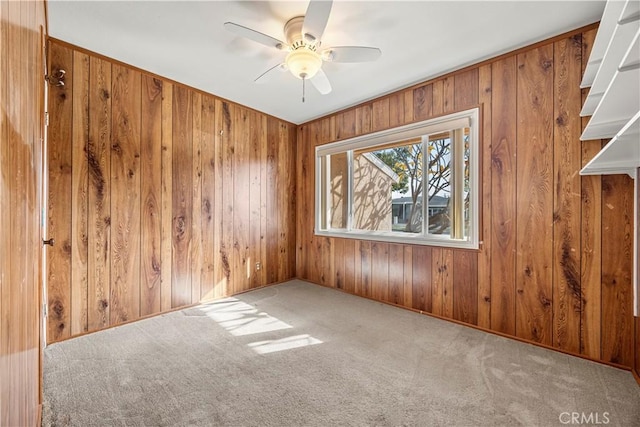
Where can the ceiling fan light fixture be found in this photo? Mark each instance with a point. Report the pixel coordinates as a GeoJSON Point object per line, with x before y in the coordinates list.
{"type": "Point", "coordinates": [303, 63]}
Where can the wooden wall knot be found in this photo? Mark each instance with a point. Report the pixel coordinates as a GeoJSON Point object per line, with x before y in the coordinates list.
{"type": "Point", "coordinates": [562, 120]}
{"type": "Point", "coordinates": [496, 161]}
{"type": "Point", "coordinates": [225, 264]}
{"type": "Point", "coordinates": [66, 247]}
{"type": "Point", "coordinates": [57, 308]}
{"type": "Point", "coordinates": [206, 207]}
{"type": "Point", "coordinates": [546, 302]}
{"type": "Point", "coordinates": [155, 264]}
{"type": "Point", "coordinates": [180, 226]}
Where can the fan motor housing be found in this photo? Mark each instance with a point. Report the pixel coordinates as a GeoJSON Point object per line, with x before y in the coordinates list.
{"type": "Point", "coordinates": [293, 33]}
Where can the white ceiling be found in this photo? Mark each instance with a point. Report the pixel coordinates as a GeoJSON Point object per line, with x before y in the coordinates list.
{"type": "Point", "coordinates": [185, 41]}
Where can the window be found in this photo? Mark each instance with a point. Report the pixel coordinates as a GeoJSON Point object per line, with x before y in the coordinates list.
{"type": "Point", "coordinates": [413, 184]}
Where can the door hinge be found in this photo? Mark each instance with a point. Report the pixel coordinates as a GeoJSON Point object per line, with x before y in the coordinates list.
{"type": "Point", "coordinates": [46, 119]}
{"type": "Point", "coordinates": [44, 310]}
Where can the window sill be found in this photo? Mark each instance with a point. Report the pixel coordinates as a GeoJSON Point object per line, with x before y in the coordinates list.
{"type": "Point", "coordinates": [406, 239]}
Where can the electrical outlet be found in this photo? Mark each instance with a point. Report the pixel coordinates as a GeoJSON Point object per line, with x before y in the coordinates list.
{"type": "Point", "coordinates": [258, 266]}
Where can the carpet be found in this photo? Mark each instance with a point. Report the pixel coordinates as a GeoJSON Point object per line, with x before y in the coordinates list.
{"type": "Point", "coordinates": [297, 354]}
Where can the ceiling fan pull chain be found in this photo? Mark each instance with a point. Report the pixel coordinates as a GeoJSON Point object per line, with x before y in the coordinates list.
{"type": "Point", "coordinates": [303, 80]}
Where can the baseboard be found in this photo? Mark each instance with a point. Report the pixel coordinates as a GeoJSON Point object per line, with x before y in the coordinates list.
{"type": "Point", "coordinates": [636, 375]}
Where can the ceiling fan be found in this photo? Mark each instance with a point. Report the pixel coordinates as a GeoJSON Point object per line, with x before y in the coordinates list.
{"type": "Point", "coordinates": [303, 35]}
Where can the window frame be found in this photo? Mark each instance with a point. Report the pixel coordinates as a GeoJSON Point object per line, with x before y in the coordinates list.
{"type": "Point", "coordinates": [467, 118]}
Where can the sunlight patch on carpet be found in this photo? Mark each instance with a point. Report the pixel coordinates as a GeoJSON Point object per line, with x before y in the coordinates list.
{"type": "Point", "coordinates": [239, 318]}
{"type": "Point", "coordinates": [272, 346]}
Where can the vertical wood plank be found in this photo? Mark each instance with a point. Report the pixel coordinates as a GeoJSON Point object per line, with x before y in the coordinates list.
{"type": "Point", "coordinates": [365, 270]}
{"type": "Point", "coordinates": [241, 203]}
{"type": "Point", "coordinates": [396, 274]}
{"type": "Point", "coordinates": [5, 215]}
{"type": "Point", "coordinates": [349, 265]}
{"type": "Point", "coordinates": [278, 213]}
{"type": "Point", "coordinates": [151, 196]}
{"type": "Point", "coordinates": [277, 157]}
{"type": "Point", "coordinates": [380, 271]}
{"type": "Point", "coordinates": [380, 113]}
{"type": "Point", "coordinates": [422, 102]}
{"type": "Point", "coordinates": [446, 277]}
{"type": "Point", "coordinates": [182, 197]}
{"type": "Point", "coordinates": [484, 257]}
{"type": "Point", "coordinates": [225, 147]}
{"type": "Point", "coordinates": [438, 97]}
{"type": "Point", "coordinates": [302, 265]}
{"type": "Point", "coordinates": [324, 249]}
{"type": "Point", "coordinates": [591, 234]}
{"type": "Point", "coordinates": [254, 243]}
{"type": "Point", "coordinates": [465, 289]}
{"type": "Point", "coordinates": [262, 132]}
{"type": "Point", "coordinates": [208, 198]}
{"type": "Point", "coordinates": [422, 287]}
{"type": "Point", "coordinates": [396, 110]}
{"type": "Point", "coordinates": [60, 182]}
{"type": "Point", "coordinates": [166, 246]}
{"type": "Point", "coordinates": [125, 194]}
{"type": "Point", "coordinates": [363, 119]}
{"type": "Point", "coordinates": [196, 185]}
{"type": "Point", "coordinates": [312, 138]}
{"type": "Point", "coordinates": [346, 124]}
{"type": "Point", "coordinates": [503, 193]}
{"type": "Point", "coordinates": [289, 233]}
{"type": "Point", "coordinates": [337, 262]}
{"type": "Point", "coordinates": [535, 195]}
{"type": "Point", "coordinates": [407, 281]}
{"type": "Point", "coordinates": [448, 94]}
{"type": "Point", "coordinates": [617, 267]}
{"type": "Point", "coordinates": [567, 296]}
{"type": "Point", "coordinates": [408, 105]}
{"type": "Point", "coordinates": [437, 281]}
{"type": "Point", "coordinates": [466, 89]}
{"type": "Point", "coordinates": [79, 195]}
{"type": "Point", "coordinates": [99, 214]}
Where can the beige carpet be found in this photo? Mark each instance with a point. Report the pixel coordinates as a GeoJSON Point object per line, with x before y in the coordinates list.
{"type": "Point", "coordinates": [298, 354]}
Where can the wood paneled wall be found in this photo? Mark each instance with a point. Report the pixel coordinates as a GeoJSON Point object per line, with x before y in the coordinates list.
{"type": "Point", "coordinates": [555, 263]}
{"type": "Point", "coordinates": [21, 120]}
{"type": "Point", "coordinates": [160, 196]}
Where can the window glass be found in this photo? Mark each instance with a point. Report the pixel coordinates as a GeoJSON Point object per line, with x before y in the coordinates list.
{"type": "Point", "coordinates": [415, 184]}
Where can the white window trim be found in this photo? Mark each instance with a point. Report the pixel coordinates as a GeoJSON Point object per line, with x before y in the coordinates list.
{"type": "Point", "coordinates": [467, 118]}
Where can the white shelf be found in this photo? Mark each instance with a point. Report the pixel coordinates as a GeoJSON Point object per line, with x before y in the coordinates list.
{"type": "Point", "coordinates": [619, 40]}
{"type": "Point", "coordinates": [621, 99]}
{"type": "Point", "coordinates": [610, 16]}
{"type": "Point", "coordinates": [621, 155]}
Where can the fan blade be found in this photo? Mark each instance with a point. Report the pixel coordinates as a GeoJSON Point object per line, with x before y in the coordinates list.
{"type": "Point", "coordinates": [321, 82]}
{"type": "Point", "coordinates": [315, 20]}
{"type": "Point", "coordinates": [254, 35]}
{"type": "Point", "coordinates": [351, 54]}
{"type": "Point", "coordinates": [264, 77]}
